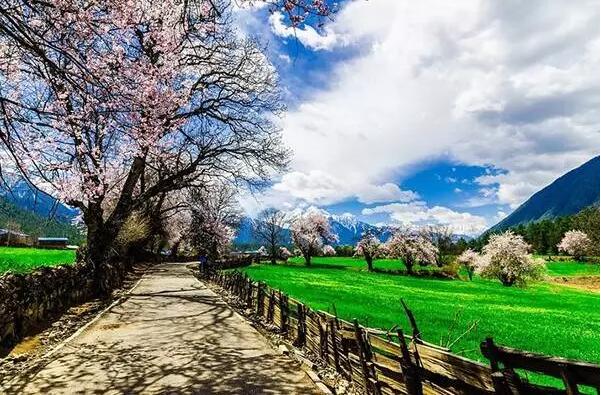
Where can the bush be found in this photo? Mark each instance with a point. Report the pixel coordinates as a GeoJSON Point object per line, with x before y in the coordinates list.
{"type": "Point", "coordinates": [135, 229]}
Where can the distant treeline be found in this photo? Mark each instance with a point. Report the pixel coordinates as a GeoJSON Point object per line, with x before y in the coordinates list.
{"type": "Point", "coordinates": [35, 225]}
{"type": "Point", "coordinates": [544, 235]}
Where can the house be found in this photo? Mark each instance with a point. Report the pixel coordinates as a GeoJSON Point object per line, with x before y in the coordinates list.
{"type": "Point", "coordinates": [14, 238]}
{"type": "Point", "coordinates": [52, 242]}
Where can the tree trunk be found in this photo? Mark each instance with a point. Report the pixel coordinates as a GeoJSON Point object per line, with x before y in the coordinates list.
{"type": "Point", "coordinates": [307, 259]}
{"type": "Point", "coordinates": [409, 266]}
{"type": "Point", "coordinates": [97, 255]}
{"type": "Point", "coordinates": [273, 254]}
{"type": "Point", "coordinates": [174, 249]}
{"type": "Point", "coordinates": [506, 281]}
{"type": "Point", "coordinates": [370, 264]}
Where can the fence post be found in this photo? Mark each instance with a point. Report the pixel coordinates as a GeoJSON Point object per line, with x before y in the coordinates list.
{"type": "Point", "coordinates": [409, 369]}
{"type": "Point", "coordinates": [333, 329]}
{"type": "Point", "coordinates": [365, 358]}
{"type": "Point", "coordinates": [271, 306]}
{"type": "Point", "coordinates": [283, 312]}
{"type": "Point", "coordinates": [249, 294]}
{"type": "Point", "coordinates": [260, 299]}
{"type": "Point", "coordinates": [302, 325]}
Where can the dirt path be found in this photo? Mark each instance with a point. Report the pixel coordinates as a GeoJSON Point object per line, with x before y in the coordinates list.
{"type": "Point", "coordinates": [171, 335]}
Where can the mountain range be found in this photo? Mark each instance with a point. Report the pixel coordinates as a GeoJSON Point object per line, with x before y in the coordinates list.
{"type": "Point", "coordinates": [569, 194]}
{"type": "Point", "coordinates": [346, 227]}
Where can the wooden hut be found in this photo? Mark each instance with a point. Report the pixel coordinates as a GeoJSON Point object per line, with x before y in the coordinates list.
{"type": "Point", "coordinates": [53, 242]}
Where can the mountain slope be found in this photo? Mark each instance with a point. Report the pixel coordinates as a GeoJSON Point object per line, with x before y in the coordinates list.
{"type": "Point", "coordinates": [570, 193]}
{"type": "Point", "coordinates": [25, 197]}
{"type": "Point", "coordinates": [35, 224]}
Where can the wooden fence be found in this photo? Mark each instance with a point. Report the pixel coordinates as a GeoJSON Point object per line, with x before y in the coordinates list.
{"type": "Point", "coordinates": [384, 362]}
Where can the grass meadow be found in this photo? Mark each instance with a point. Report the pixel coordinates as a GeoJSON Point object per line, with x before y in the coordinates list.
{"type": "Point", "coordinates": [21, 260]}
{"type": "Point", "coordinates": [542, 317]}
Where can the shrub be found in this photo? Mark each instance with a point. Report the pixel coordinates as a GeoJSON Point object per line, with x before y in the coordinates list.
{"type": "Point", "coordinates": [135, 229]}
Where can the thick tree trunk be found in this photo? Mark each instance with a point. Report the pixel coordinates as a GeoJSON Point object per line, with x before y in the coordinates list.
{"type": "Point", "coordinates": [370, 263]}
{"type": "Point", "coordinates": [307, 259]}
{"type": "Point", "coordinates": [409, 266]}
{"type": "Point", "coordinates": [97, 255]}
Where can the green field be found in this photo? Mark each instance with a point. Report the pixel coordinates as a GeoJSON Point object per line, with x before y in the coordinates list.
{"type": "Point", "coordinates": [572, 268]}
{"type": "Point", "coordinates": [541, 317]}
{"type": "Point", "coordinates": [23, 260]}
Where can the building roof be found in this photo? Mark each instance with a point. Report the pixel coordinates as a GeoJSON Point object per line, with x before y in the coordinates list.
{"type": "Point", "coordinates": [5, 231]}
{"type": "Point", "coordinates": [53, 239]}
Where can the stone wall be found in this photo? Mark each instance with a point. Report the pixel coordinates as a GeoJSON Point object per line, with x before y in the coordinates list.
{"type": "Point", "coordinates": [31, 299]}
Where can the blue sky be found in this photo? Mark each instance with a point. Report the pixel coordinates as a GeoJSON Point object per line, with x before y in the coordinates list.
{"type": "Point", "coordinates": [412, 113]}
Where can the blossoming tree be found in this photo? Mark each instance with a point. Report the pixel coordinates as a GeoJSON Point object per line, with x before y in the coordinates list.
{"type": "Point", "coordinates": [411, 248]}
{"type": "Point", "coordinates": [575, 243]}
{"type": "Point", "coordinates": [507, 258]}
{"type": "Point", "coordinates": [328, 250]}
{"type": "Point", "coordinates": [469, 259]}
{"type": "Point", "coordinates": [110, 106]}
{"type": "Point", "coordinates": [371, 248]}
{"type": "Point", "coordinates": [215, 216]}
{"type": "Point", "coordinates": [309, 233]}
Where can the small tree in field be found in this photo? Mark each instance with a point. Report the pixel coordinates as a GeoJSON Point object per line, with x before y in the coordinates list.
{"type": "Point", "coordinates": [370, 247]}
{"type": "Point", "coordinates": [506, 257]}
{"type": "Point", "coordinates": [575, 243]}
{"type": "Point", "coordinates": [328, 250]}
{"type": "Point", "coordinates": [469, 260]}
{"type": "Point", "coordinates": [269, 229]}
{"type": "Point", "coordinates": [412, 249]}
{"type": "Point", "coordinates": [309, 232]}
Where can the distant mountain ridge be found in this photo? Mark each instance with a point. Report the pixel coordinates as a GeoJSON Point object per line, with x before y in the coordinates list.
{"type": "Point", "coordinates": [24, 196]}
{"type": "Point", "coordinates": [346, 227]}
{"type": "Point", "coordinates": [569, 194]}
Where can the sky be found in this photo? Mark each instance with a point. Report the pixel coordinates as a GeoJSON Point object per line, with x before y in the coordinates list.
{"type": "Point", "coordinates": [431, 112]}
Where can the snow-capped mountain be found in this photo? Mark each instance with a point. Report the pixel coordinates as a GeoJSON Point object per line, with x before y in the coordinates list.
{"type": "Point", "coordinates": [345, 226]}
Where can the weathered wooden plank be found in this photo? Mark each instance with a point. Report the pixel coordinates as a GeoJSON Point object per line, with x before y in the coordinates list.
{"type": "Point", "coordinates": [581, 372]}
{"type": "Point", "coordinates": [390, 362]}
{"type": "Point", "coordinates": [455, 367]}
{"type": "Point", "coordinates": [383, 344]}
{"type": "Point", "coordinates": [392, 380]}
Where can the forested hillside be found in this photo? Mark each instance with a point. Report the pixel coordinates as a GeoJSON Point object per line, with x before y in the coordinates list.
{"type": "Point", "coordinates": [544, 235]}
{"type": "Point", "coordinates": [34, 224]}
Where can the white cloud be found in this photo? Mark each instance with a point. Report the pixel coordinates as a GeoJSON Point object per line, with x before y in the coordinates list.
{"type": "Point", "coordinates": [513, 85]}
{"type": "Point", "coordinates": [500, 215]}
{"type": "Point", "coordinates": [307, 35]}
{"type": "Point", "coordinates": [322, 188]}
{"type": "Point", "coordinates": [418, 213]}
{"type": "Point", "coordinates": [387, 192]}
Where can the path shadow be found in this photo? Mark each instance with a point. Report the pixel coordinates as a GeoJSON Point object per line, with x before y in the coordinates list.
{"type": "Point", "coordinates": [184, 341]}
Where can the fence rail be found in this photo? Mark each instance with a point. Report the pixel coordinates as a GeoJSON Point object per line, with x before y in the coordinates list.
{"type": "Point", "coordinates": [383, 363]}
